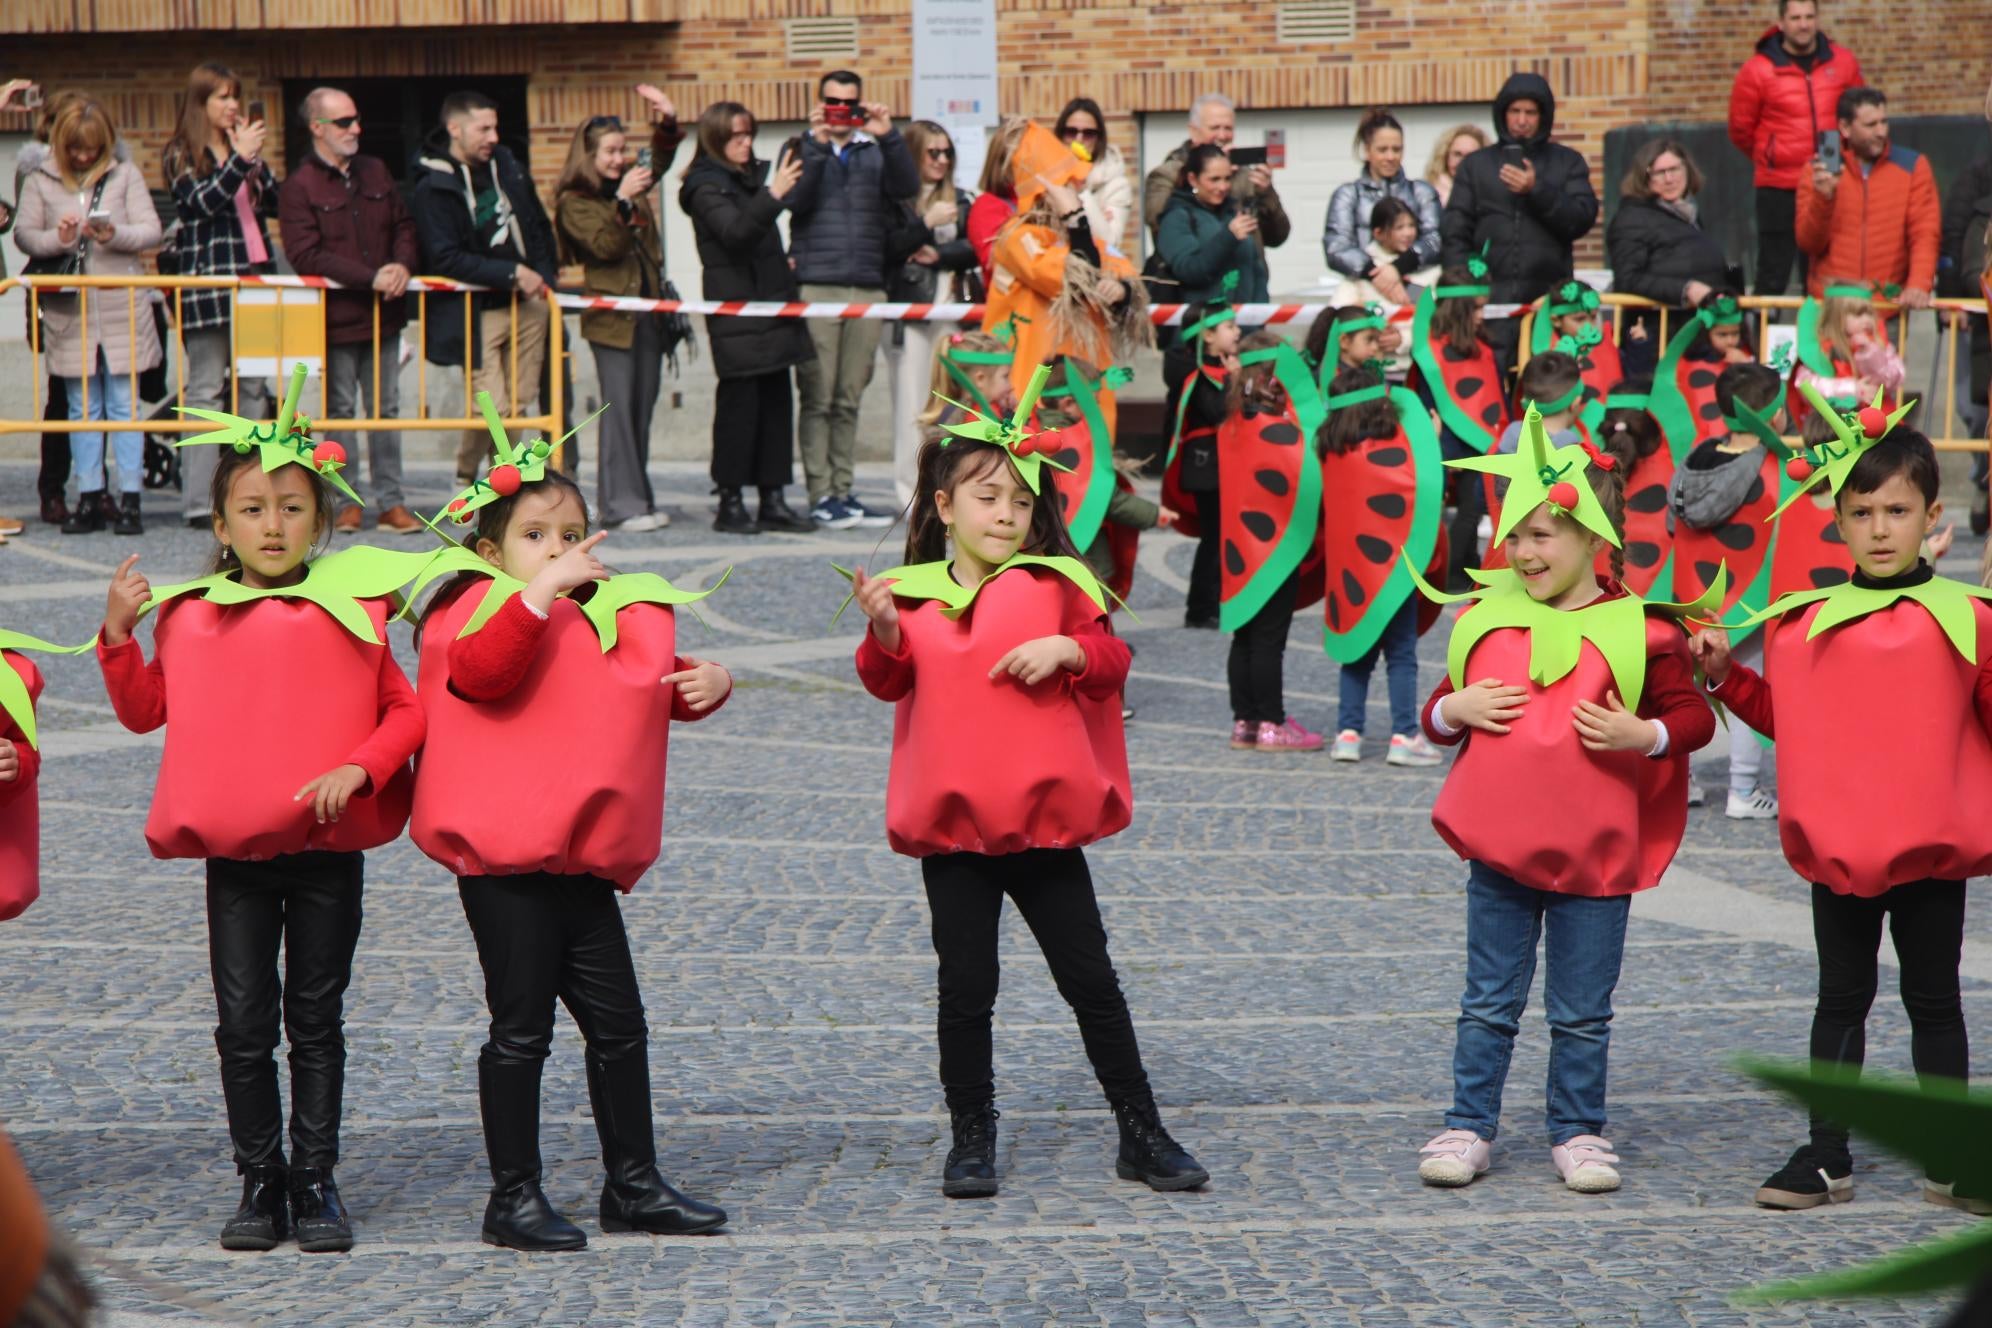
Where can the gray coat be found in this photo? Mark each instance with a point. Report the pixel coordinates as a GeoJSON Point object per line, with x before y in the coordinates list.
{"type": "Point", "coordinates": [1705, 499]}
{"type": "Point", "coordinates": [843, 209]}
{"type": "Point", "coordinates": [1349, 211]}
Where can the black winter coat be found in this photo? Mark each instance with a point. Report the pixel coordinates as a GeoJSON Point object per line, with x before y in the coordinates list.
{"type": "Point", "coordinates": [843, 209]}
{"type": "Point", "coordinates": [441, 206]}
{"type": "Point", "coordinates": [1655, 252]}
{"type": "Point", "coordinates": [919, 283]}
{"type": "Point", "coordinates": [1529, 236]}
{"type": "Point", "coordinates": [733, 218]}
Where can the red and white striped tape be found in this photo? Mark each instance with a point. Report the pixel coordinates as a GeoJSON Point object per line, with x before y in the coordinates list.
{"type": "Point", "coordinates": [1163, 315]}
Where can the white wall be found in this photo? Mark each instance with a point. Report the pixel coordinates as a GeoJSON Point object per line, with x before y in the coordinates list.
{"type": "Point", "coordinates": [1320, 155]}
{"type": "Point", "coordinates": [681, 252]}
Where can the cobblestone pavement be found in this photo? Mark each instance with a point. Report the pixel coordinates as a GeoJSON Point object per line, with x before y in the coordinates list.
{"type": "Point", "coordinates": [1290, 934]}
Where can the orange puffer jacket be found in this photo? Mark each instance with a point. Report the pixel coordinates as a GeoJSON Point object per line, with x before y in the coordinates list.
{"type": "Point", "coordinates": [1884, 226]}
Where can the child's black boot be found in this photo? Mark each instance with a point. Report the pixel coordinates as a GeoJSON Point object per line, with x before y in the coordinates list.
{"type": "Point", "coordinates": [1147, 1153]}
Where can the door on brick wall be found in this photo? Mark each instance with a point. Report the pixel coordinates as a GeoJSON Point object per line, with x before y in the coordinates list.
{"type": "Point", "coordinates": [397, 115]}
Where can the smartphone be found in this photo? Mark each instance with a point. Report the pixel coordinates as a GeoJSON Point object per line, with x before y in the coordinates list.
{"type": "Point", "coordinates": [1276, 148]}
{"type": "Point", "coordinates": [643, 158]}
{"type": "Point", "coordinates": [1829, 151]}
{"type": "Point", "coordinates": [31, 97]}
{"type": "Point", "coordinates": [1242, 157]}
{"type": "Point", "coordinates": [1511, 155]}
{"type": "Point", "coordinates": [256, 110]}
{"type": "Point", "coordinates": [100, 218]}
{"type": "Point", "coordinates": [838, 114]}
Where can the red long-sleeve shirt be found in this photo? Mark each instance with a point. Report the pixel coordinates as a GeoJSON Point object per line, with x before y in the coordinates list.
{"type": "Point", "coordinates": [20, 804]}
{"type": "Point", "coordinates": [492, 661]}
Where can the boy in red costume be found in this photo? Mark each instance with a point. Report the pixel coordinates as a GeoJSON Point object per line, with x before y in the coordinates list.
{"type": "Point", "coordinates": [1883, 808]}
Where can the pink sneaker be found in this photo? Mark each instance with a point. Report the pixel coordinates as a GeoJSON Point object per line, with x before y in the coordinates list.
{"type": "Point", "coordinates": [1242, 735]}
{"type": "Point", "coordinates": [1455, 1158]}
{"type": "Point", "coordinates": [1287, 737]}
{"type": "Point", "coordinates": [1585, 1163]}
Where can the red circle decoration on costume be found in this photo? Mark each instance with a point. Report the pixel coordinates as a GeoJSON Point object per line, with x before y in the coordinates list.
{"type": "Point", "coordinates": [1563, 494]}
{"type": "Point", "coordinates": [505, 480]}
{"type": "Point", "coordinates": [1874, 421]}
{"type": "Point", "coordinates": [1799, 469]}
{"type": "Point", "coordinates": [328, 453]}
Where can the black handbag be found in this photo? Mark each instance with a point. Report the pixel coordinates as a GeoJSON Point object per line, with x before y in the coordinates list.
{"type": "Point", "coordinates": [1163, 288]}
{"type": "Point", "coordinates": [69, 264]}
{"type": "Point", "coordinates": [675, 329]}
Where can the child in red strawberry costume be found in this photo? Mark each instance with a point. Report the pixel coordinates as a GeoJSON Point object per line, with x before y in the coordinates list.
{"type": "Point", "coordinates": [20, 767]}
{"type": "Point", "coordinates": [1879, 692]}
{"type": "Point", "coordinates": [288, 733]}
{"type": "Point", "coordinates": [1007, 758]}
{"type": "Point", "coordinates": [538, 664]}
{"type": "Point", "coordinates": [1560, 682]}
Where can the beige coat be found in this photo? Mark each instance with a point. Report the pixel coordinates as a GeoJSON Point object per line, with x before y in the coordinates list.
{"type": "Point", "coordinates": [45, 201]}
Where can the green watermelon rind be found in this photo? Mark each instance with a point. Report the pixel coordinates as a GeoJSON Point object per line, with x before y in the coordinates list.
{"type": "Point", "coordinates": [1427, 464]}
{"type": "Point", "coordinates": [1665, 576]}
{"type": "Point", "coordinates": [1464, 427]}
{"type": "Point", "coordinates": [1667, 404]}
{"type": "Point", "coordinates": [1084, 527]}
{"type": "Point", "coordinates": [1305, 523]}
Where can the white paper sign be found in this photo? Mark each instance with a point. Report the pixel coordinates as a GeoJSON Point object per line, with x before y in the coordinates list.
{"type": "Point", "coordinates": [954, 61]}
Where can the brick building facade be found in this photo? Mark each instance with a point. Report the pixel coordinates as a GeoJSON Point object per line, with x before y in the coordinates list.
{"type": "Point", "coordinates": [1611, 64]}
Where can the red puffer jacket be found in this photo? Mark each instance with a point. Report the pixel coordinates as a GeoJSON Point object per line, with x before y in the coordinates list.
{"type": "Point", "coordinates": [1777, 109]}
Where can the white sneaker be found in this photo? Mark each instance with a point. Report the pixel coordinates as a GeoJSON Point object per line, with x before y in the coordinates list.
{"type": "Point", "coordinates": [1756, 805]}
{"type": "Point", "coordinates": [1455, 1158]}
{"type": "Point", "coordinates": [1348, 746]}
{"type": "Point", "coordinates": [644, 521]}
{"type": "Point", "coordinates": [1412, 749]}
{"type": "Point", "coordinates": [1585, 1164]}
{"type": "Point", "coordinates": [1695, 795]}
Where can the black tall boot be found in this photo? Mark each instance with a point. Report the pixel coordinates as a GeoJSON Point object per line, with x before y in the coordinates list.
{"type": "Point", "coordinates": [263, 1217]}
{"type": "Point", "coordinates": [128, 521]}
{"type": "Point", "coordinates": [636, 1198]}
{"type": "Point", "coordinates": [776, 514]}
{"type": "Point", "coordinates": [1147, 1153]}
{"type": "Point", "coordinates": [733, 518]}
{"type": "Point", "coordinates": [518, 1216]}
{"type": "Point", "coordinates": [317, 1212]}
{"type": "Point", "coordinates": [88, 517]}
{"type": "Point", "coordinates": [970, 1172]}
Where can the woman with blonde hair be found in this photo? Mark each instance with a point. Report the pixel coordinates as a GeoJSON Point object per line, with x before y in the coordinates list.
{"type": "Point", "coordinates": [84, 206]}
{"type": "Point", "coordinates": [1448, 151]}
{"type": "Point", "coordinates": [605, 222]}
{"type": "Point", "coordinates": [223, 191]}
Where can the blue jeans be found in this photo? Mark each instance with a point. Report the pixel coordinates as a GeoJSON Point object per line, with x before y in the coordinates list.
{"type": "Point", "coordinates": [1583, 949]}
{"type": "Point", "coordinates": [110, 399]}
{"type": "Point", "coordinates": [1399, 648]}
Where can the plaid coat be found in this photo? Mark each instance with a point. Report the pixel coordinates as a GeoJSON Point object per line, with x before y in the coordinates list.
{"type": "Point", "coordinates": [209, 242]}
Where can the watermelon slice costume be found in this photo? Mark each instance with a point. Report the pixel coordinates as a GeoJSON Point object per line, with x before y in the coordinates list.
{"type": "Point", "coordinates": [578, 747]}
{"type": "Point", "coordinates": [1380, 517]}
{"type": "Point", "coordinates": [1683, 399]}
{"type": "Point", "coordinates": [1174, 496]}
{"type": "Point", "coordinates": [1597, 353]}
{"type": "Point", "coordinates": [309, 661]}
{"type": "Point", "coordinates": [1649, 545]}
{"type": "Point", "coordinates": [1269, 491]}
{"type": "Point", "coordinates": [1085, 482]}
{"type": "Point", "coordinates": [1065, 783]}
{"type": "Point", "coordinates": [1465, 389]}
{"type": "Point", "coordinates": [20, 798]}
{"type": "Point", "coordinates": [1815, 351]}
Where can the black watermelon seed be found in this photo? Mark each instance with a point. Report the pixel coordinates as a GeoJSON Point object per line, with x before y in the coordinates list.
{"type": "Point", "coordinates": [1832, 534]}
{"type": "Point", "coordinates": [1234, 561]}
{"type": "Point", "coordinates": [1280, 433]}
{"type": "Point", "coordinates": [1390, 505]}
{"type": "Point", "coordinates": [1823, 577]}
{"type": "Point", "coordinates": [1468, 387]}
{"type": "Point", "coordinates": [1701, 378]}
{"type": "Point", "coordinates": [1352, 590]}
{"type": "Point", "coordinates": [1273, 482]}
{"type": "Point", "coordinates": [1447, 353]}
{"type": "Point", "coordinates": [1388, 456]}
{"type": "Point", "coordinates": [1490, 415]}
{"type": "Point", "coordinates": [1736, 536]}
{"type": "Point", "coordinates": [1067, 457]}
{"type": "Point", "coordinates": [1756, 494]}
{"type": "Point", "coordinates": [1711, 411]}
{"type": "Point", "coordinates": [1378, 551]}
{"type": "Point", "coordinates": [1334, 611]}
{"type": "Point", "coordinates": [1651, 498]}
{"type": "Point", "coordinates": [1260, 525]}
{"type": "Point", "coordinates": [1706, 572]}
{"type": "Point", "coordinates": [1643, 554]}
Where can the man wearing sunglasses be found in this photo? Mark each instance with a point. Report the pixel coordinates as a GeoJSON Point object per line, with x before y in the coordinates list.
{"type": "Point", "coordinates": [344, 219]}
{"type": "Point", "coordinates": [855, 170]}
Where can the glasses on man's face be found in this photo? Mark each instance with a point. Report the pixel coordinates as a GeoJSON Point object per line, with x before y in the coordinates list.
{"type": "Point", "coordinates": [1070, 132]}
{"type": "Point", "coordinates": [338, 121]}
{"type": "Point", "coordinates": [851, 102]}
{"type": "Point", "coordinates": [940, 154]}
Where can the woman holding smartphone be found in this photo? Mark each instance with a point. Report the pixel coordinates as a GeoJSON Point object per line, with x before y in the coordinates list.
{"type": "Point", "coordinates": [223, 191]}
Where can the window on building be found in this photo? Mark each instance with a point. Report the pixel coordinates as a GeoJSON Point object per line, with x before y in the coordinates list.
{"type": "Point", "coordinates": [397, 115]}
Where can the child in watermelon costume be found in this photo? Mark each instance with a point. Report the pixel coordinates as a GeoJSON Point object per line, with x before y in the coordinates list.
{"type": "Point", "coordinates": [1007, 758]}
{"type": "Point", "coordinates": [1382, 492]}
{"type": "Point", "coordinates": [1195, 370]}
{"type": "Point", "coordinates": [1631, 434]}
{"type": "Point", "coordinates": [1350, 337]}
{"type": "Point", "coordinates": [1571, 318]}
{"type": "Point", "coordinates": [1457, 376]}
{"type": "Point", "coordinates": [1880, 691]}
{"type": "Point", "coordinates": [1683, 396]}
{"type": "Point", "coordinates": [20, 768]}
{"type": "Point", "coordinates": [1843, 349]}
{"type": "Point", "coordinates": [1558, 681]}
{"type": "Point", "coordinates": [288, 653]}
{"type": "Point", "coordinates": [1270, 510]}
{"type": "Point", "coordinates": [972, 368]}
{"type": "Point", "coordinates": [1095, 492]}
{"type": "Point", "coordinates": [542, 790]}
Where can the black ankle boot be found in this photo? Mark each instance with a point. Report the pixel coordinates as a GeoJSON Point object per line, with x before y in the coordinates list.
{"type": "Point", "coordinates": [636, 1198]}
{"type": "Point", "coordinates": [1147, 1153]}
{"type": "Point", "coordinates": [776, 514]}
{"type": "Point", "coordinates": [518, 1216]}
{"type": "Point", "coordinates": [733, 518]}
{"type": "Point", "coordinates": [971, 1169]}
{"type": "Point", "coordinates": [263, 1218]}
{"type": "Point", "coordinates": [128, 521]}
{"type": "Point", "coordinates": [88, 518]}
{"type": "Point", "coordinates": [318, 1216]}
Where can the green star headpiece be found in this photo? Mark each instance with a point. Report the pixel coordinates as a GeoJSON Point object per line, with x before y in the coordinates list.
{"type": "Point", "coordinates": [954, 357]}
{"type": "Point", "coordinates": [1539, 472]}
{"type": "Point", "coordinates": [287, 442]}
{"type": "Point", "coordinates": [1724, 311]}
{"type": "Point", "coordinates": [1854, 432]}
{"type": "Point", "coordinates": [1573, 297]}
{"type": "Point", "coordinates": [1476, 267]}
{"type": "Point", "coordinates": [512, 467]}
{"type": "Point", "coordinates": [1358, 317]}
{"type": "Point", "coordinates": [1012, 435]}
{"type": "Point", "coordinates": [1228, 286]}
